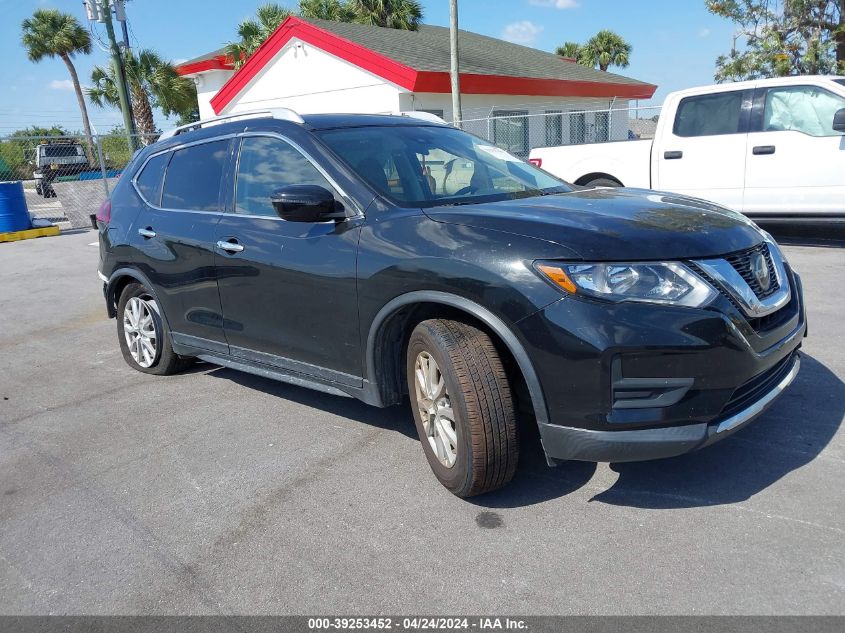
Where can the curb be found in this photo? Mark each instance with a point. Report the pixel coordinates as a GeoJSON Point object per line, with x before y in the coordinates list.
{"type": "Point", "coordinates": [15, 236]}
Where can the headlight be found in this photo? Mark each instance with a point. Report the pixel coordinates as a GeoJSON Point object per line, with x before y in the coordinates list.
{"type": "Point", "coordinates": [663, 282]}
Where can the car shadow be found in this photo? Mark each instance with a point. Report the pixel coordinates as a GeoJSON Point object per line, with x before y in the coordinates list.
{"type": "Point", "coordinates": [822, 234]}
{"type": "Point", "coordinates": [397, 418]}
{"type": "Point", "coordinates": [782, 440]}
{"type": "Point", "coordinates": [786, 437]}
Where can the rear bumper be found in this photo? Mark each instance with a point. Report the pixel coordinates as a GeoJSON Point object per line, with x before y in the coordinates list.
{"type": "Point", "coordinates": [561, 442]}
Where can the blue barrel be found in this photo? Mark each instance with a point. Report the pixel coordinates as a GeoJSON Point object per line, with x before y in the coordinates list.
{"type": "Point", "coordinates": [13, 213]}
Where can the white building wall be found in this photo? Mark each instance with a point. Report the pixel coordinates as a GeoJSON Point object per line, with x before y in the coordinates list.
{"type": "Point", "coordinates": [208, 84]}
{"type": "Point", "coordinates": [309, 80]}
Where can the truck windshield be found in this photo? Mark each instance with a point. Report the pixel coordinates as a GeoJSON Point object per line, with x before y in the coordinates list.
{"type": "Point", "coordinates": [427, 166]}
{"type": "Point", "coordinates": [61, 151]}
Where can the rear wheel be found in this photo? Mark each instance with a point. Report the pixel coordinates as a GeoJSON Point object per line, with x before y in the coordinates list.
{"type": "Point", "coordinates": [603, 182]}
{"type": "Point", "coordinates": [462, 406]}
{"type": "Point", "coordinates": [144, 338]}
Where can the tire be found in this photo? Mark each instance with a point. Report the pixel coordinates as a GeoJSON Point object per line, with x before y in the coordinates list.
{"type": "Point", "coordinates": [156, 357]}
{"type": "Point", "coordinates": [481, 440]}
{"type": "Point", "coordinates": [603, 182]}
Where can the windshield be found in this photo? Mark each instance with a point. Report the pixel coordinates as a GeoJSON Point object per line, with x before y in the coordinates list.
{"type": "Point", "coordinates": [61, 151]}
{"type": "Point", "coordinates": [416, 166]}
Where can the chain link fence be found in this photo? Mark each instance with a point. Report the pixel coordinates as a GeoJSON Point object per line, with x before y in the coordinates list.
{"type": "Point", "coordinates": [521, 131]}
{"type": "Point", "coordinates": [66, 178]}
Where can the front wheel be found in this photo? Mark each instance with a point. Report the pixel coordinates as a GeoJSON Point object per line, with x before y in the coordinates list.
{"type": "Point", "coordinates": [462, 406]}
{"type": "Point", "coordinates": [603, 182]}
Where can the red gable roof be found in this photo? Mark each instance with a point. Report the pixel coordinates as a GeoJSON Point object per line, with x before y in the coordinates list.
{"type": "Point", "coordinates": [401, 74]}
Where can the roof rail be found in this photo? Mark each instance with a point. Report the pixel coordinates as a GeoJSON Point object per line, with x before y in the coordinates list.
{"type": "Point", "coordinates": [283, 114]}
{"type": "Point", "coordinates": [423, 116]}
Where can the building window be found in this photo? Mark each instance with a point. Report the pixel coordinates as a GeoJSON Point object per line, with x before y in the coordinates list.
{"type": "Point", "coordinates": [510, 131]}
{"type": "Point", "coordinates": [602, 126]}
{"type": "Point", "coordinates": [554, 128]}
{"type": "Point", "coordinates": [577, 128]}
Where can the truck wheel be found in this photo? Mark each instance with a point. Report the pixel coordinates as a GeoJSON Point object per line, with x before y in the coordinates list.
{"type": "Point", "coordinates": [462, 406]}
{"type": "Point", "coordinates": [603, 182]}
{"type": "Point", "coordinates": [143, 335]}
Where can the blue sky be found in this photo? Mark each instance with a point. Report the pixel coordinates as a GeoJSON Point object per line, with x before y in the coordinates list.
{"type": "Point", "coordinates": [675, 42]}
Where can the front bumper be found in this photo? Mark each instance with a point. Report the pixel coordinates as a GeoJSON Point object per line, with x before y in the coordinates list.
{"type": "Point", "coordinates": [630, 382]}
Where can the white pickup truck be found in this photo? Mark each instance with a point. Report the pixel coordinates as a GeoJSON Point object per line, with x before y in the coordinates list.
{"type": "Point", "coordinates": [770, 148]}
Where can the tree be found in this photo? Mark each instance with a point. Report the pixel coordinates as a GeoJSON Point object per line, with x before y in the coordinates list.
{"type": "Point", "coordinates": [153, 83]}
{"type": "Point", "coordinates": [394, 14]}
{"type": "Point", "coordinates": [605, 49]}
{"type": "Point", "coordinates": [252, 32]}
{"type": "Point", "coordinates": [782, 37]}
{"type": "Point", "coordinates": [16, 150]}
{"type": "Point", "coordinates": [570, 50]}
{"type": "Point", "coordinates": [50, 33]}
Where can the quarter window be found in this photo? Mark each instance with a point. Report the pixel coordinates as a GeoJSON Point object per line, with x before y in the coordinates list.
{"type": "Point", "coordinates": [267, 164]}
{"type": "Point", "coordinates": [150, 179]}
{"type": "Point", "coordinates": [193, 177]}
{"type": "Point", "coordinates": [806, 109]}
{"type": "Point", "coordinates": [709, 115]}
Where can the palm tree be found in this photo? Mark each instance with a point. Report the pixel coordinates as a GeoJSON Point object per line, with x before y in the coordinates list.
{"type": "Point", "coordinates": [570, 50]}
{"type": "Point", "coordinates": [605, 49]}
{"type": "Point", "coordinates": [393, 14]}
{"type": "Point", "coordinates": [50, 33]}
{"type": "Point", "coordinates": [253, 32]}
{"type": "Point", "coordinates": [153, 83]}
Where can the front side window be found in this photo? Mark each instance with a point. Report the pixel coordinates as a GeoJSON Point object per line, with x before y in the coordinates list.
{"type": "Point", "coordinates": [426, 166]}
{"type": "Point", "coordinates": [192, 180]}
{"type": "Point", "coordinates": [510, 131]}
{"type": "Point", "coordinates": [267, 164]}
{"type": "Point", "coordinates": [150, 179]}
{"type": "Point", "coordinates": [709, 115]}
{"type": "Point", "coordinates": [806, 109]}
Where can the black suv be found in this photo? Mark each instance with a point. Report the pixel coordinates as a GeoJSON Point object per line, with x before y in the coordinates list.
{"type": "Point", "coordinates": [385, 257]}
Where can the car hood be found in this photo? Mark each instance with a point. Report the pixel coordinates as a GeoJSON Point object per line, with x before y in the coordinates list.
{"type": "Point", "coordinates": [615, 224]}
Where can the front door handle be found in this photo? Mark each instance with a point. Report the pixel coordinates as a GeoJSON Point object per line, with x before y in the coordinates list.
{"type": "Point", "coordinates": [230, 246]}
{"type": "Point", "coordinates": [675, 155]}
{"type": "Point", "coordinates": [761, 150]}
{"type": "Point", "coordinates": [147, 233]}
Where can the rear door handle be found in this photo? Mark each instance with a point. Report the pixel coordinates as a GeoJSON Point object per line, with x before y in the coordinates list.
{"type": "Point", "coordinates": [147, 232]}
{"type": "Point", "coordinates": [230, 247]}
{"type": "Point", "coordinates": [675, 155]}
{"type": "Point", "coordinates": [763, 149]}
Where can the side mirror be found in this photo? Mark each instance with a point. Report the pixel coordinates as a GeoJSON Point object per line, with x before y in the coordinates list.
{"type": "Point", "coordinates": [839, 121]}
{"type": "Point", "coordinates": [306, 203]}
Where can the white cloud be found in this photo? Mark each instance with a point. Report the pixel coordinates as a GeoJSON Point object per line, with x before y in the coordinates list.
{"type": "Point", "coordinates": [61, 84]}
{"type": "Point", "coordinates": [704, 32]}
{"type": "Point", "coordinates": [523, 32]}
{"type": "Point", "coordinates": [557, 4]}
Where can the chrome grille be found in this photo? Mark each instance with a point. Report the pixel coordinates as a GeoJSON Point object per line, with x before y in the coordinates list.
{"type": "Point", "coordinates": [741, 262]}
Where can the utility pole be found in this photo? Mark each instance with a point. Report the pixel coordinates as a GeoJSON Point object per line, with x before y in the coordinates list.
{"type": "Point", "coordinates": [454, 65]}
{"type": "Point", "coordinates": [119, 73]}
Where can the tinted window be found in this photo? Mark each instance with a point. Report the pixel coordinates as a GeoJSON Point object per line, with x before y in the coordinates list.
{"type": "Point", "coordinates": [510, 131]}
{"type": "Point", "coordinates": [62, 151]}
{"type": "Point", "coordinates": [709, 115]}
{"type": "Point", "coordinates": [266, 164]}
{"type": "Point", "coordinates": [577, 128]}
{"type": "Point", "coordinates": [193, 177]}
{"type": "Point", "coordinates": [554, 127]}
{"type": "Point", "coordinates": [150, 178]}
{"type": "Point", "coordinates": [602, 126]}
{"type": "Point", "coordinates": [806, 109]}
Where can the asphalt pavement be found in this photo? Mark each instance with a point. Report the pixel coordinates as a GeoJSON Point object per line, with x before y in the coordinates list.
{"type": "Point", "coordinates": [218, 492]}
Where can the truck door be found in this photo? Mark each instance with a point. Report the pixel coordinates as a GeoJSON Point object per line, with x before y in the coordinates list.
{"type": "Point", "coordinates": [702, 152]}
{"type": "Point", "coordinates": [795, 160]}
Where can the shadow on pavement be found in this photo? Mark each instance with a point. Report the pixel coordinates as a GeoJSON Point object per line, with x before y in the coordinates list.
{"type": "Point", "coordinates": [786, 437]}
{"type": "Point", "coordinates": [826, 235]}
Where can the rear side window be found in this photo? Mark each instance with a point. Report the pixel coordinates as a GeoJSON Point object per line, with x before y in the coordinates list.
{"type": "Point", "coordinates": [150, 178]}
{"type": "Point", "coordinates": [192, 181]}
{"type": "Point", "coordinates": [709, 115]}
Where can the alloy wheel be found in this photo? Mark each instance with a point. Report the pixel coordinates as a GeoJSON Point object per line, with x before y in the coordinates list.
{"type": "Point", "coordinates": [139, 330]}
{"type": "Point", "coordinates": [435, 407]}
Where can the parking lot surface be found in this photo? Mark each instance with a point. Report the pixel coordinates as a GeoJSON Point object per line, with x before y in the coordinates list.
{"type": "Point", "coordinates": [218, 492]}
